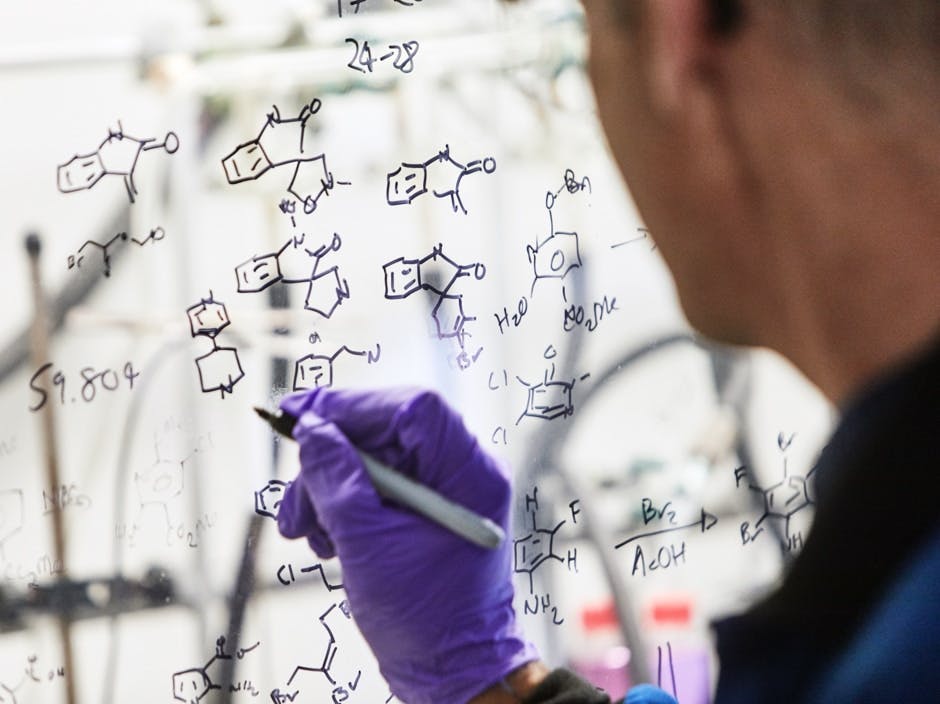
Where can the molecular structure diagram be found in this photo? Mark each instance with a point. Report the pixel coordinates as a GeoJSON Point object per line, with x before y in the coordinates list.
{"type": "Point", "coordinates": [557, 255]}
{"type": "Point", "coordinates": [29, 679]}
{"type": "Point", "coordinates": [268, 498]}
{"type": "Point", "coordinates": [283, 142]}
{"type": "Point", "coordinates": [117, 155]}
{"type": "Point", "coordinates": [536, 548]}
{"type": "Point", "coordinates": [162, 482]}
{"type": "Point", "coordinates": [220, 368]}
{"type": "Point", "coordinates": [441, 175]}
{"type": "Point", "coordinates": [782, 501]}
{"type": "Point", "coordinates": [315, 371]}
{"type": "Point", "coordinates": [439, 274]}
{"type": "Point", "coordinates": [192, 685]}
{"type": "Point", "coordinates": [75, 260]}
{"type": "Point", "coordinates": [296, 263]}
{"type": "Point", "coordinates": [341, 679]}
{"type": "Point", "coordinates": [11, 517]}
{"type": "Point", "coordinates": [285, 575]}
{"type": "Point", "coordinates": [549, 398]}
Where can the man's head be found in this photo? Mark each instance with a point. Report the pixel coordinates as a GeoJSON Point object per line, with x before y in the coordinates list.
{"type": "Point", "coordinates": [774, 148]}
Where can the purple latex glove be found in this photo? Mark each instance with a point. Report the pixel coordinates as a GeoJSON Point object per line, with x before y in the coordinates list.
{"type": "Point", "coordinates": [435, 609]}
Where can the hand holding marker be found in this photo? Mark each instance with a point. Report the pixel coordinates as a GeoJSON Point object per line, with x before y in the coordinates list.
{"type": "Point", "coordinates": [397, 487]}
{"type": "Point", "coordinates": [412, 588]}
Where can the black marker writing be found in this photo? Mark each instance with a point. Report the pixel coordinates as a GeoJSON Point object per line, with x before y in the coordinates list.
{"type": "Point", "coordinates": [536, 548]}
{"type": "Point", "coordinates": [190, 686]}
{"type": "Point", "coordinates": [283, 142]}
{"type": "Point", "coordinates": [75, 260]}
{"type": "Point", "coordinates": [92, 382]}
{"type": "Point", "coordinates": [442, 175]}
{"type": "Point", "coordinates": [439, 274]}
{"type": "Point", "coordinates": [298, 262]}
{"type": "Point", "coordinates": [354, 5]}
{"type": "Point", "coordinates": [782, 501]}
{"type": "Point", "coordinates": [363, 61]}
{"type": "Point", "coordinates": [220, 368]}
{"type": "Point", "coordinates": [117, 155]}
{"type": "Point", "coordinates": [557, 254]}
{"type": "Point", "coordinates": [315, 371]}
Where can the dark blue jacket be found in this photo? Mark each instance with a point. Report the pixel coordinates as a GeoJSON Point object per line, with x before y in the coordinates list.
{"type": "Point", "coordinates": [857, 617]}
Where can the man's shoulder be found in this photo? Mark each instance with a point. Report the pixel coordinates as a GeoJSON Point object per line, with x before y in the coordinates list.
{"type": "Point", "coordinates": [895, 656]}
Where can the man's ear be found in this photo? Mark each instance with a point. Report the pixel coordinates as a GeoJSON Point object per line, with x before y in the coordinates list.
{"type": "Point", "coordinates": [681, 41]}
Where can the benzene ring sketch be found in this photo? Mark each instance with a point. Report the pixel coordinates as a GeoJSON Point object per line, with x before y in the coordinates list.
{"type": "Point", "coordinates": [284, 142]}
{"type": "Point", "coordinates": [315, 371]}
{"type": "Point", "coordinates": [117, 155]}
{"type": "Point", "coordinates": [296, 263]}
{"type": "Point", "coordinates": [220, 368]}
{"type": "Point", "coordinates": [441, 175]}
{"type": "Point", "coordinates": [439, 274]}
{"type": "Point", "coordinates": [558, 253]}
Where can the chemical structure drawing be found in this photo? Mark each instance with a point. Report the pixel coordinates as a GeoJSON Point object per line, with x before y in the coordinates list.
{"type": "Point", "coordinates": [284, 142]}
{"type": "Point", "coordinates": [285, 575]}
{"type": "Point", "coordinates": [549, 398]}
{"type": "Point", "coordinates": [219, 369]}
{"type": "Point", "coordinates": [190, 686]}
{"type": "Point", "coordinates": [442, 175]}
{"type": "Point", "coordinates": [339, 679]}
{"type": "Point", "coordinates": [782, 501]}
{"type": "Point", "coordinates": [117, 155]}
{"type": "Point", "coordinates": [30, 678]}
{"type": "Point", "coordinates": [162, 482]}
{"type": "Point", "coordinates": [536, 548]}
{"type": "Point", "coordinates": [439, 274]}
{"type": "Point", "coordinates": [268, 498]}
{"type": "Point", "coordinates": [315, 371]}
{"type": "Point", "coordinates": [558, 253]}
{"type": "Point", "coordinates": [296, 263]}
{"type": "Point", "coordinates": [11, 517]}
{"type": "Point", "coordinates": [75, 260]}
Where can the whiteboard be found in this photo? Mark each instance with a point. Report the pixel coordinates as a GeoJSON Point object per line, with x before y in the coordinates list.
{"type": "Point", "coordinates": [237, 200]}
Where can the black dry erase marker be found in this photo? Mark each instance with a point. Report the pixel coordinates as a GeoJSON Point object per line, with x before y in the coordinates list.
{"type": "Point", "coordinates": [397, 487]}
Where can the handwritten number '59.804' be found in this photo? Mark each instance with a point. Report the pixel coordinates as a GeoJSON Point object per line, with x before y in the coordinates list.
{"type": "Point", "coordinates": [107, 379]}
